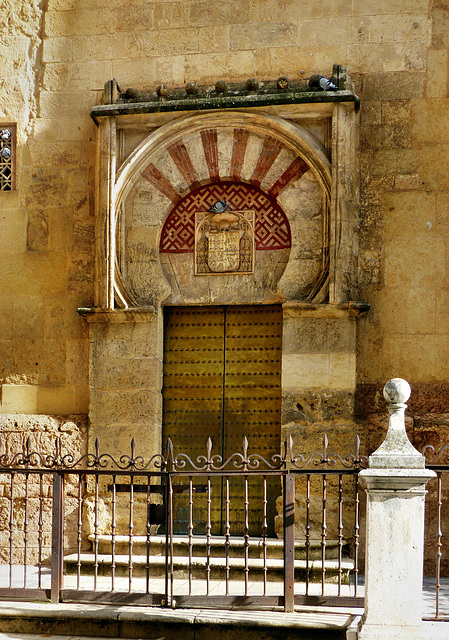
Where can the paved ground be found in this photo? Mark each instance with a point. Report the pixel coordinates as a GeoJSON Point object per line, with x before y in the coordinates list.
{"type": "Point", "coordinates": [435, 630]}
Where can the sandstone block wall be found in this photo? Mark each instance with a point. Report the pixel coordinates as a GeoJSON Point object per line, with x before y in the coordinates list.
{"type": "Point", "coordinates": [29, 502]}
{"type": "Point", "coordinates": [54, 60]}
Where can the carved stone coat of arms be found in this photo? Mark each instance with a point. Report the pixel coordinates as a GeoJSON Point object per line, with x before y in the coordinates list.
{"type": "Point", "coordinates": [224, 242]}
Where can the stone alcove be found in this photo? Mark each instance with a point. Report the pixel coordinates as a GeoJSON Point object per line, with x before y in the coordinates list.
{"type": "Point", "coordinates": [253, 161]}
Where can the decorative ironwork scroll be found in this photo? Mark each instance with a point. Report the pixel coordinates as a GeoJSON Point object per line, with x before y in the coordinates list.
{"type": "Point", "coordinates": [174, 461]}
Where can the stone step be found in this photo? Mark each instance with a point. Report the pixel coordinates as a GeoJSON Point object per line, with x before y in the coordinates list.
{"type": "Point", "coordinates": [274, 546]}
{"type": "Point", "coordinates": [101, 621]}
{"type": "Point", "coordinates": [197, 565]}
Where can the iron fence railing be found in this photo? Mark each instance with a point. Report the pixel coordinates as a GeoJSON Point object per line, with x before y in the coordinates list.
{"type": "Point", "coordinates": [175, 531]}
{"type": "Point", "coordinates": [436, 553]}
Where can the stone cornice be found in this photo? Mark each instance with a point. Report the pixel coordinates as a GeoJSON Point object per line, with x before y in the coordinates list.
{"type": "Point", "coordinates": [325, 310]}
{"type": "Point", "coordinates": [115, 316]}
{"type": "Point", "coordinates": [223, 102]}
{"type": "Point", "coordinates": [224, 95]}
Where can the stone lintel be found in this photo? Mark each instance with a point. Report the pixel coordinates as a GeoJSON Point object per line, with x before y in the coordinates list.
{"type": "Point", "coordinates": [294, 308]}
{"type": "Point", "coordinates": [295, 112]}
{"type": "Point", "coordinates": [115, 316]}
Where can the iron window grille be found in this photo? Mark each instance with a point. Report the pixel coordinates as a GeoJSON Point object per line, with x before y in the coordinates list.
{"type": "Point", "coordinates": [7, 157]}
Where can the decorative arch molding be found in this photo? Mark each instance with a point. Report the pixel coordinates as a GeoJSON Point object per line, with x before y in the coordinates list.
{"type": "Point", "coordinates": [265, 152]}
{"type": "Point", "coordinates": [288, 135]}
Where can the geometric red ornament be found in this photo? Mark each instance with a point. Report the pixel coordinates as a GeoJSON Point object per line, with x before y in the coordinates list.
{"type": "Point", "coordinates": [272, 230]}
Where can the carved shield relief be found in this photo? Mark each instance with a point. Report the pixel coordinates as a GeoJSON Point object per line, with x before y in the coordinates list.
{"type": "Point", "coordinates": [224, 242]}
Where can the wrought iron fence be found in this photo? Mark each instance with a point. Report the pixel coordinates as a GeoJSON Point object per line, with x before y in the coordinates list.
{"type": "Point", "coordinates": [103, 529]}
{"type": "Point", "coordinates": [436, 554]}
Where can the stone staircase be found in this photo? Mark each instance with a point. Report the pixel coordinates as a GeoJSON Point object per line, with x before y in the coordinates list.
{"type": "Point", "coordinates": [217, 558]}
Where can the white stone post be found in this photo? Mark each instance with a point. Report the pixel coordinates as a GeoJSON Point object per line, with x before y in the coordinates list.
{"type": "Point", "coordinates": [395, 487]}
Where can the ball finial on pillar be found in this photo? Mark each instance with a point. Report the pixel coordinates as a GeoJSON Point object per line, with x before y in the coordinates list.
{"type": "Point", "coordinates": [397, 391]}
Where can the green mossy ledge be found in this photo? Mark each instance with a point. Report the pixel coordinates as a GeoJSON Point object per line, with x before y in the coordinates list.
{"type": "Point", "coordinates": [235, 96]}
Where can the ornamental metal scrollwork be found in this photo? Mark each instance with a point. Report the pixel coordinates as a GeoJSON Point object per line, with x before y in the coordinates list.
{"type": "Point", "coordinates": [173, 461]}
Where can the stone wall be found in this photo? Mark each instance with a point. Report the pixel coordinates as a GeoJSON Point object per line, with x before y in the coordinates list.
{"type": "Point", "coordinates": [55, 58]}
{"type": "Point", "coordinates": [32, 499]}
{"type": "Point", "coordinates": [46, 225]}
{"type": "Point", "coordinates": [403, 219]}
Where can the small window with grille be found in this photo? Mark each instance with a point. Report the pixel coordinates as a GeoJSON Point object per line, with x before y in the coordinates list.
{"type": "Point", "coordinates": [7, 157]}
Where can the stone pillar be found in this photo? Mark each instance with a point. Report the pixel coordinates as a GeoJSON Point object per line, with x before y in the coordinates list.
{"type": "Point", "coordinates": [395, 487]}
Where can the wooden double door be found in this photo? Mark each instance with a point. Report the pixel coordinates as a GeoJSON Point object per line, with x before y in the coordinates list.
{"type": "Point", "coordinates": [222, 378]}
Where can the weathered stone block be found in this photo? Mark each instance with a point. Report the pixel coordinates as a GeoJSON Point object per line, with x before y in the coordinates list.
{"type": "Point", "coordinates": [61, 5]}
{"type": "Point", "coordinates": [89, 75]}
{"type": "Point", "coordinates": [417, 261]}
{"type": "Point", "coordinates": [411, 182]}
{"type": "Point", "coordinates": [6, 317]}
{"type": "Point", "coordinates": [393, 28]}
{"type": "Point", "coordinates": [437, 73]}
{"type": "Point", "coordinates": [430, 121]}
{"type": "Point", "coordinates": [440, 26]}
{"type": "Point", "coordinates": [377, 7]}
{"type": "Point", "coordinates": [303, 371]}
{"type": "Point", "coordinates": [141, 17]}
{"type": "Point", "coordinates": [434, 167]}
{"type": "Point", "coordinates": [312, 407]}
{"type": "Point", "coordinates": [250, 36]}
{"type": "Point", "coordinates": [395, 57]}
{"type": "Point", "coordinates": [57, 50]}
{"type": "Point", "coordinates": [112, 407]}
{"type": "Point", "coordinates": [208, 12]}
{"type": "Point", "coordinates": [16, 397]}
{"type": "Point", "coordinates": [393, 161]}
{"type": "Point", "coordinates": [236, 64]}
{"type": "Point", "coordinates": [115, 439]}
{"type": "Point", "coordinates": [126, 373]}
{"type": "Point", "coordinates": [418, 209]}
{"type": "Point", "coordinates": [126, 340]}
{"type": "Point", "coordinates": [394, 86]}
{"type": "Point", "coordinates": [312, 32]}
{"type": "Point", "coordinates": [6, 360]}
{"type": "Point", "coordinates": [426, 398]}
{"type": "Point", "coordinates": [318, 335]}
{"type": "Point", "coordinates": [216, 38]}
{"type": "Point", "coordinates": [66, 103]}
{"type": "Point", "coordinates": [37, 231]}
